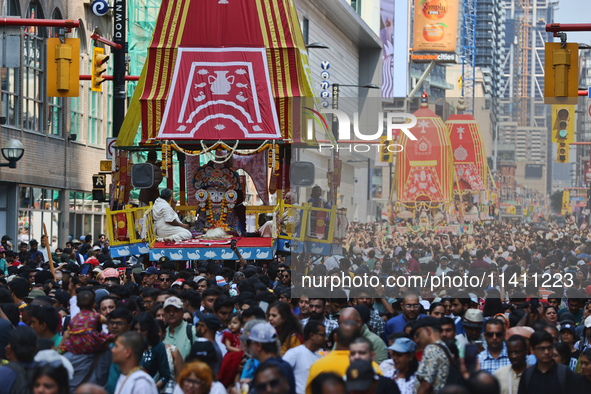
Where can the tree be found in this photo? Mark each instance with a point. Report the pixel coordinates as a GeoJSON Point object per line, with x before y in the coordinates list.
{"type": "Point", "coordinates": [556, 201]}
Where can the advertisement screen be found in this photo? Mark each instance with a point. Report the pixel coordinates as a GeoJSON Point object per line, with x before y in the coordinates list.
{"type": "Point", "coordinates": [436, 25]}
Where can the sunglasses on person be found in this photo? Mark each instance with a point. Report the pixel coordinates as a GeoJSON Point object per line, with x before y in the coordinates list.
{"type": "Point", "coordinates": [272, 384]}
{"type": "Point", "coordinates": [493, 334]}
{"type": "Point", "coordinates": [285, 276]}
{"type": "Point", "coordinates": [165, 279]}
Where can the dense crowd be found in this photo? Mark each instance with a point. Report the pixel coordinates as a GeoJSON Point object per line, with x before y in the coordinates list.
{"type": "Point", "coordinates": [95, 324]}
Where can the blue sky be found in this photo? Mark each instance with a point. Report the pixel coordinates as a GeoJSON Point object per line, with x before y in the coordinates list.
{"type": "Point", "coordinates": [569, 11]}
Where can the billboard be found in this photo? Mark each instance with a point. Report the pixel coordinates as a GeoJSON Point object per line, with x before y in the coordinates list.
{"type": "Point", "coordinates": [394, 36]}
{"type": "Point", "coordinates": [435, 26]}
{"type": "Point", "coordinates": [534, 171]}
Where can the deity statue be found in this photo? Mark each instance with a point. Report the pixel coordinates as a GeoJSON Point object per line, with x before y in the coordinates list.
{"type": "Point", "coordinates": [217, 186]}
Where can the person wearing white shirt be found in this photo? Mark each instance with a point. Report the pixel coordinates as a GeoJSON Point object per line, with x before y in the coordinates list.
{"type": "Point", "coordinates": [443, 268]}
{"type": "Point", "coordinates": [302, 357]}
{"type": "Point", "coordinates": [127, 354]}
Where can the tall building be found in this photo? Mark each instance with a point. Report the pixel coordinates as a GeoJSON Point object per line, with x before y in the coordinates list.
{"type": "Point", "coordinates": [583, 123]}
{"type": "Point", "coordinates": [523, 115]}
{"type": "Point", "coordinates": [490, 42]}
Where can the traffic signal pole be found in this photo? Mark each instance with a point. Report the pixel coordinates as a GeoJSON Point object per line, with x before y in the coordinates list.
{"type": "Point", "coordinates": [119, 69]}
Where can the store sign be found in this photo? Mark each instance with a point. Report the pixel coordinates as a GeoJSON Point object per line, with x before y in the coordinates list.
{"type": "Point", "coordinates": [434, 57]}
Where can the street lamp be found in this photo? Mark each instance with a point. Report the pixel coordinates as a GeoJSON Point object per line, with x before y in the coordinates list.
{"type": "Point", "coordinates": [13, 151]}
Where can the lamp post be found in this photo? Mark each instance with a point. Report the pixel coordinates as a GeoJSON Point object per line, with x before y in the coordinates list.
{"type": "Point", "coordinates": [336, 88]}
{"type": "Point", "coordinates": [13, 151]}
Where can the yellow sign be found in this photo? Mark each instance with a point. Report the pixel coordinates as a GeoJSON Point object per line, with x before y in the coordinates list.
{"type": "Point", "coordinates": [436, 25]}
{"type": "Point", "coordinates": [63, 67]}
{"type": "Point", "coordinates": [106, 166]}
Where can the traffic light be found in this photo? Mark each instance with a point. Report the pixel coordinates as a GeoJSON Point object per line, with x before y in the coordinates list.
{"type": "Point", "coordinates": [98, 187]}
{"type": "Point", "coordinates": [563, 130]}
{"type": "Point", "coordinates": [63, 66]}
{"type": "Point", "coordinates": [385, 155]}
{"type": "Point", "coordinates": [98, 59]}
{"type": "Point", "coordinates": [561, 73]}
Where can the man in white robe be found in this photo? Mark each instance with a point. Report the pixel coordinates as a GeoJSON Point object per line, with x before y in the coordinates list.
{"type": "Point", "coordinates": [167, 224]}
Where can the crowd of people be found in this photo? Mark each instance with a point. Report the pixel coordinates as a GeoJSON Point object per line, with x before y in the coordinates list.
{"type": "Point", "coordinates": [93, 324]}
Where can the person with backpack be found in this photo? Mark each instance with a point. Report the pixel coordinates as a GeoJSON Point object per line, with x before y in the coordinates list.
{"type": "Point", "coordinates": [435, 365]}
{"type": "Point", "coordinates": [546, 376]}
{"type": "Point", "coordinates": [17, 375]}
{"type": "Point", "coordinates": [178, 332]}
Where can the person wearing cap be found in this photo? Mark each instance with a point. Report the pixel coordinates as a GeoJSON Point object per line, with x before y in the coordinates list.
{"type": "Point", "coordinates": [149, 276]}
{"type": "Point", "coordinates": [405, 364]}
{"type": "Point", "coordinates": [167, 225]}
{"type": "Point", "coordinates": [177, 332]}
{"type": "Point", "coordinates": [302, 357]}
{"type": "Point", "coordinates": [434, 368]}
{"type": "Point", "coordinates": [111, 277]}
{"type": "Point", "coordinates": [585, 342]}
{"type": "Point", "coordinates": [568, 336]}
{"type": "Point", "coordinates": [472, 324]}
{"type": "Point", "coordinates": [361, 378]}
{"type": "Point", "coordinates": [263, 346]}
{"type": "Point", "coordinates": [443, 268]}
{"type": "Point", "coordinates": [495, 355]}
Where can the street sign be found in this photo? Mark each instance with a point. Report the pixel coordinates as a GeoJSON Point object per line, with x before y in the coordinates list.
{"type": "Point", "coordinates": [589, 92]}
{"type": "Point", "coordinates": [106, 166]}
{"type": "Point", "coordinates": [100, 7]}
{"type": "Point", "coordinates": [111, 147]}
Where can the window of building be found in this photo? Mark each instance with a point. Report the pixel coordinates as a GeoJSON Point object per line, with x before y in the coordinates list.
{"type": "Point", "coordinates": [86, 215]}
{"type": "Point", "coordinates": [356, 4]}
{"type": "Point", "coordinates": [32, 68]}
{"type": "Point", "coordinates": [38, 207]}
{"type": "Point", "coordinates": [306, 30]}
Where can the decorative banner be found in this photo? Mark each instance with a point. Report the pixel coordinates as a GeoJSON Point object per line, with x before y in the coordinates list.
{"type": "Point", "coordinates": [424, 169]}
{"type": "Point", "coordinates": [220, 93]}
{"type": "Point", "coordinates": [435, 25]}
{"type": "Point", "coordinates": [470, 163]}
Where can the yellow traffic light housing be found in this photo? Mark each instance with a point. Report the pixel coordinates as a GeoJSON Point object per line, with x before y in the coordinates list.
{"type": "Point", "coordinates": [98, 59]}
{"type": "Point", "coordinates": [561, 73]}
{"type": "Point", "coordinates": [385, 155]}
{"type": "Point", "coordinates": [63, 67]}
{"type": "Point", "coordinates": [563, 130]}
